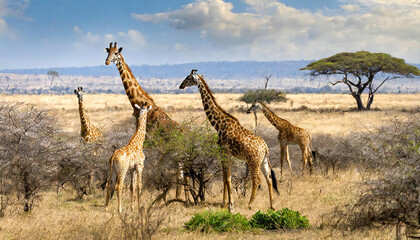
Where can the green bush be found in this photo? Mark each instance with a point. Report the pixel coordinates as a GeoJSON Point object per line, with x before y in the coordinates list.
{"type": "Point", "coordinates": [285, 218]}
{"type": "Point", "coordinates": [217, 221]}
{"type": "Point", "coordinates": [266, 95]}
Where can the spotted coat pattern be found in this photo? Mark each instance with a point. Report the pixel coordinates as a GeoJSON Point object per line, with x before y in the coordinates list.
{"type": "Point", "coordinates": [88, 132]}
{"type": "Point", "coordinates": [289, 134]}
{"type": "Point", "coordinates": [135, 93]}
{"type": "Point", "coordinates": [235, 140]}
{"type": "Point", "coordinates": [128, 159]}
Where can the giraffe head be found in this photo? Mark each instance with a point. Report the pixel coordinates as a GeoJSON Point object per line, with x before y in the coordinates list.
{"type": "Point", "coordinates": [79, 93]}
{"type": "Point", "coordinates": [144, 109]}
{"type": "Point", "coordinates": [255, 106]}
{"type": "Point", "coordinates": [113, 53]}
{"type": "Point", "coordinates": [191, 80]}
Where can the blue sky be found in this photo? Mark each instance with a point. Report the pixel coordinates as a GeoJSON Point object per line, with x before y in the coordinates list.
{"type": "Point", "coordinates": [65, 33]}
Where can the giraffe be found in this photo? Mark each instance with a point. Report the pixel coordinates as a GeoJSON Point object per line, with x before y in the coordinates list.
{"type": "Point", "coordinates": [89, 132]}
{"type": "Point", "coordinates": [289, 134]}
{"type": "Point", "coordinates": [129, 158]}
{"type": "Point", "coordinates": [136, 95]}
{"type": "Point", "coordinates": [236, 141]}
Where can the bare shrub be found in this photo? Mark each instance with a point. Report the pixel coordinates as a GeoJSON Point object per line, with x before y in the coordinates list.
{"type": "Point", "coordinates": [144, 224]}
{"type": "Point", "coordinates": [31, 144]}
{"type": "Point", "coordinates": [82, 167]}
{"type": "Point", "coordinates": [390, 193]}
{"type": "Point", "coordinates": [344, 152]}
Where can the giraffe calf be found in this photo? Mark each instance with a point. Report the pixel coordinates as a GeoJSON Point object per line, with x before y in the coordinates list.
{"type": "Point", "coordinates": [128, 159]}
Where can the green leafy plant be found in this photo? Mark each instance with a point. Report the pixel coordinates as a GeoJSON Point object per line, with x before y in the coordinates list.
{"type": "Point", "coordinates": [266, 95]}
{"type": "Point", "coordinates": [217, 221]}
{"type": "Point", "coordinates": [285, 218]}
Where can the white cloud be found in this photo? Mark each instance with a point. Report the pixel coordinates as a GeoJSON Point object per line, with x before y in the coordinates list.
{"type": "Point", "coordinates": [11, 8]}
{"type": "Point", "coordinates": [3, 26]}
{"type": "Point", "coordinates": [77, 30]}
{"type": "Point", "coordinates": [270, 30]}
{"type": "Point", "coordinates": [393, 2]}
{"type": "Point", "coordinates": [133, 38]}
{"type": "Point", "coordinates": [179, 47]}
{"type": "Point", "coordinates": [350, 7]}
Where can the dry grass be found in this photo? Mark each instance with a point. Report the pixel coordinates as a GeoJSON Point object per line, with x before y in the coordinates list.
{"type": "Point", "coordinates": [328, 113]}
{"type": "Point", "coordinates": [64, 218]}
{"type": "Point", "coordinates": [314, 196]}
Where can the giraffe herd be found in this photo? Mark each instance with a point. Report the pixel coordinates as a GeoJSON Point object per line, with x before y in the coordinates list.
{"type": "Point", "coordinates": [235, 140]}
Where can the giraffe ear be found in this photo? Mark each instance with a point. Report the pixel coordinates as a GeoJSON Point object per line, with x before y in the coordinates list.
{"type": "Point", "coordinates": [75, 91]}
{"type": "Point", "coordinates": [120, 50]}
{"type": "Point", "coordinates": [106, 50]}
{"type": "Point", "coordinates": [149, 107]}
{"type": "Point", "coordinates": [137, 106]}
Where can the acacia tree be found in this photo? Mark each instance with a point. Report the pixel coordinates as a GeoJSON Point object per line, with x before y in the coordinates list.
{"type": "Point", "coordinates": [359, 70]}
{"type": "Point", "coordinates": [53, 74]}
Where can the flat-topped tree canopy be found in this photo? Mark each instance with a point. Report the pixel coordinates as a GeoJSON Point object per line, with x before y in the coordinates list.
{"type": "Point", "coordinates": [361, 63]}
{"type": "Point", "coordinates": [359, 69]}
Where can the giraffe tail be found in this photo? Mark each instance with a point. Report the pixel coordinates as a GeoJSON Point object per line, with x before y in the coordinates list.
{"type": "Point", "coordinates": [274, 180]}
{"type": "Point", "coordinates": [273, 175]}
{"type": "Point", "coordinates": [312, 150]}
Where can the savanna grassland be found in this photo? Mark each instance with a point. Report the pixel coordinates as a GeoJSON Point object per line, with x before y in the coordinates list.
{"type": "Point", "coordinates": [317, 196]}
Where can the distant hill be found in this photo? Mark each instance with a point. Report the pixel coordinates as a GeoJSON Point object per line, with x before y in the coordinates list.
{"type": "Point", "coordinates": [212, 70]}
{"type": "Point", "coordinates": [231, 77]}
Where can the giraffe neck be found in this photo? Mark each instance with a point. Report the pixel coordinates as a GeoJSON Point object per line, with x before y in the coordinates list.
{"type": "Point", "coordinates": [272, 118]}
{"type": "Point", "coordinates": [83, 119]}
{"type": "Point", "coordinates": [215, 114]}
{"type": "Point", "coordinates": [138, 138]}
{"type": "Point", "coordinates": [131, 86]}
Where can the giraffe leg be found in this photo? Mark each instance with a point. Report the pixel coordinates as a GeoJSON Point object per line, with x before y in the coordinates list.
{"type": "Point", "coordinates": [224, 169]}
{"type": "Point", "coordinates": [120, 185]}
{"type": "Point", "coordinates": [282, 156]}
{"type": "Point", "coordinates": [255, 172]}
{"type": "Point", "coordinates": [310, 159]}
{"type": "Point", "coordinates": [229, 187]}
{"type": "Point", "coordinates": [266, 170]}
{"type": "Point", "coordinates": [304, 157]}
{"type": "Point", "coordinates": [287, 158]}
{"type": "Point", "coordinates": [132, 189]}
{"type": "Point", "coordinates": [139, 172]}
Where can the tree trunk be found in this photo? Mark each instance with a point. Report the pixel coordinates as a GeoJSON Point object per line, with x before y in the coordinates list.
{"type": "Point", "coordinates": [27, 193]}
{"type": "Point", "coordinates": [370, 97]}
{"type": "Point", "coordinates": [370, 100]}
{"type": "Point", "coordinates": [360, 105]}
